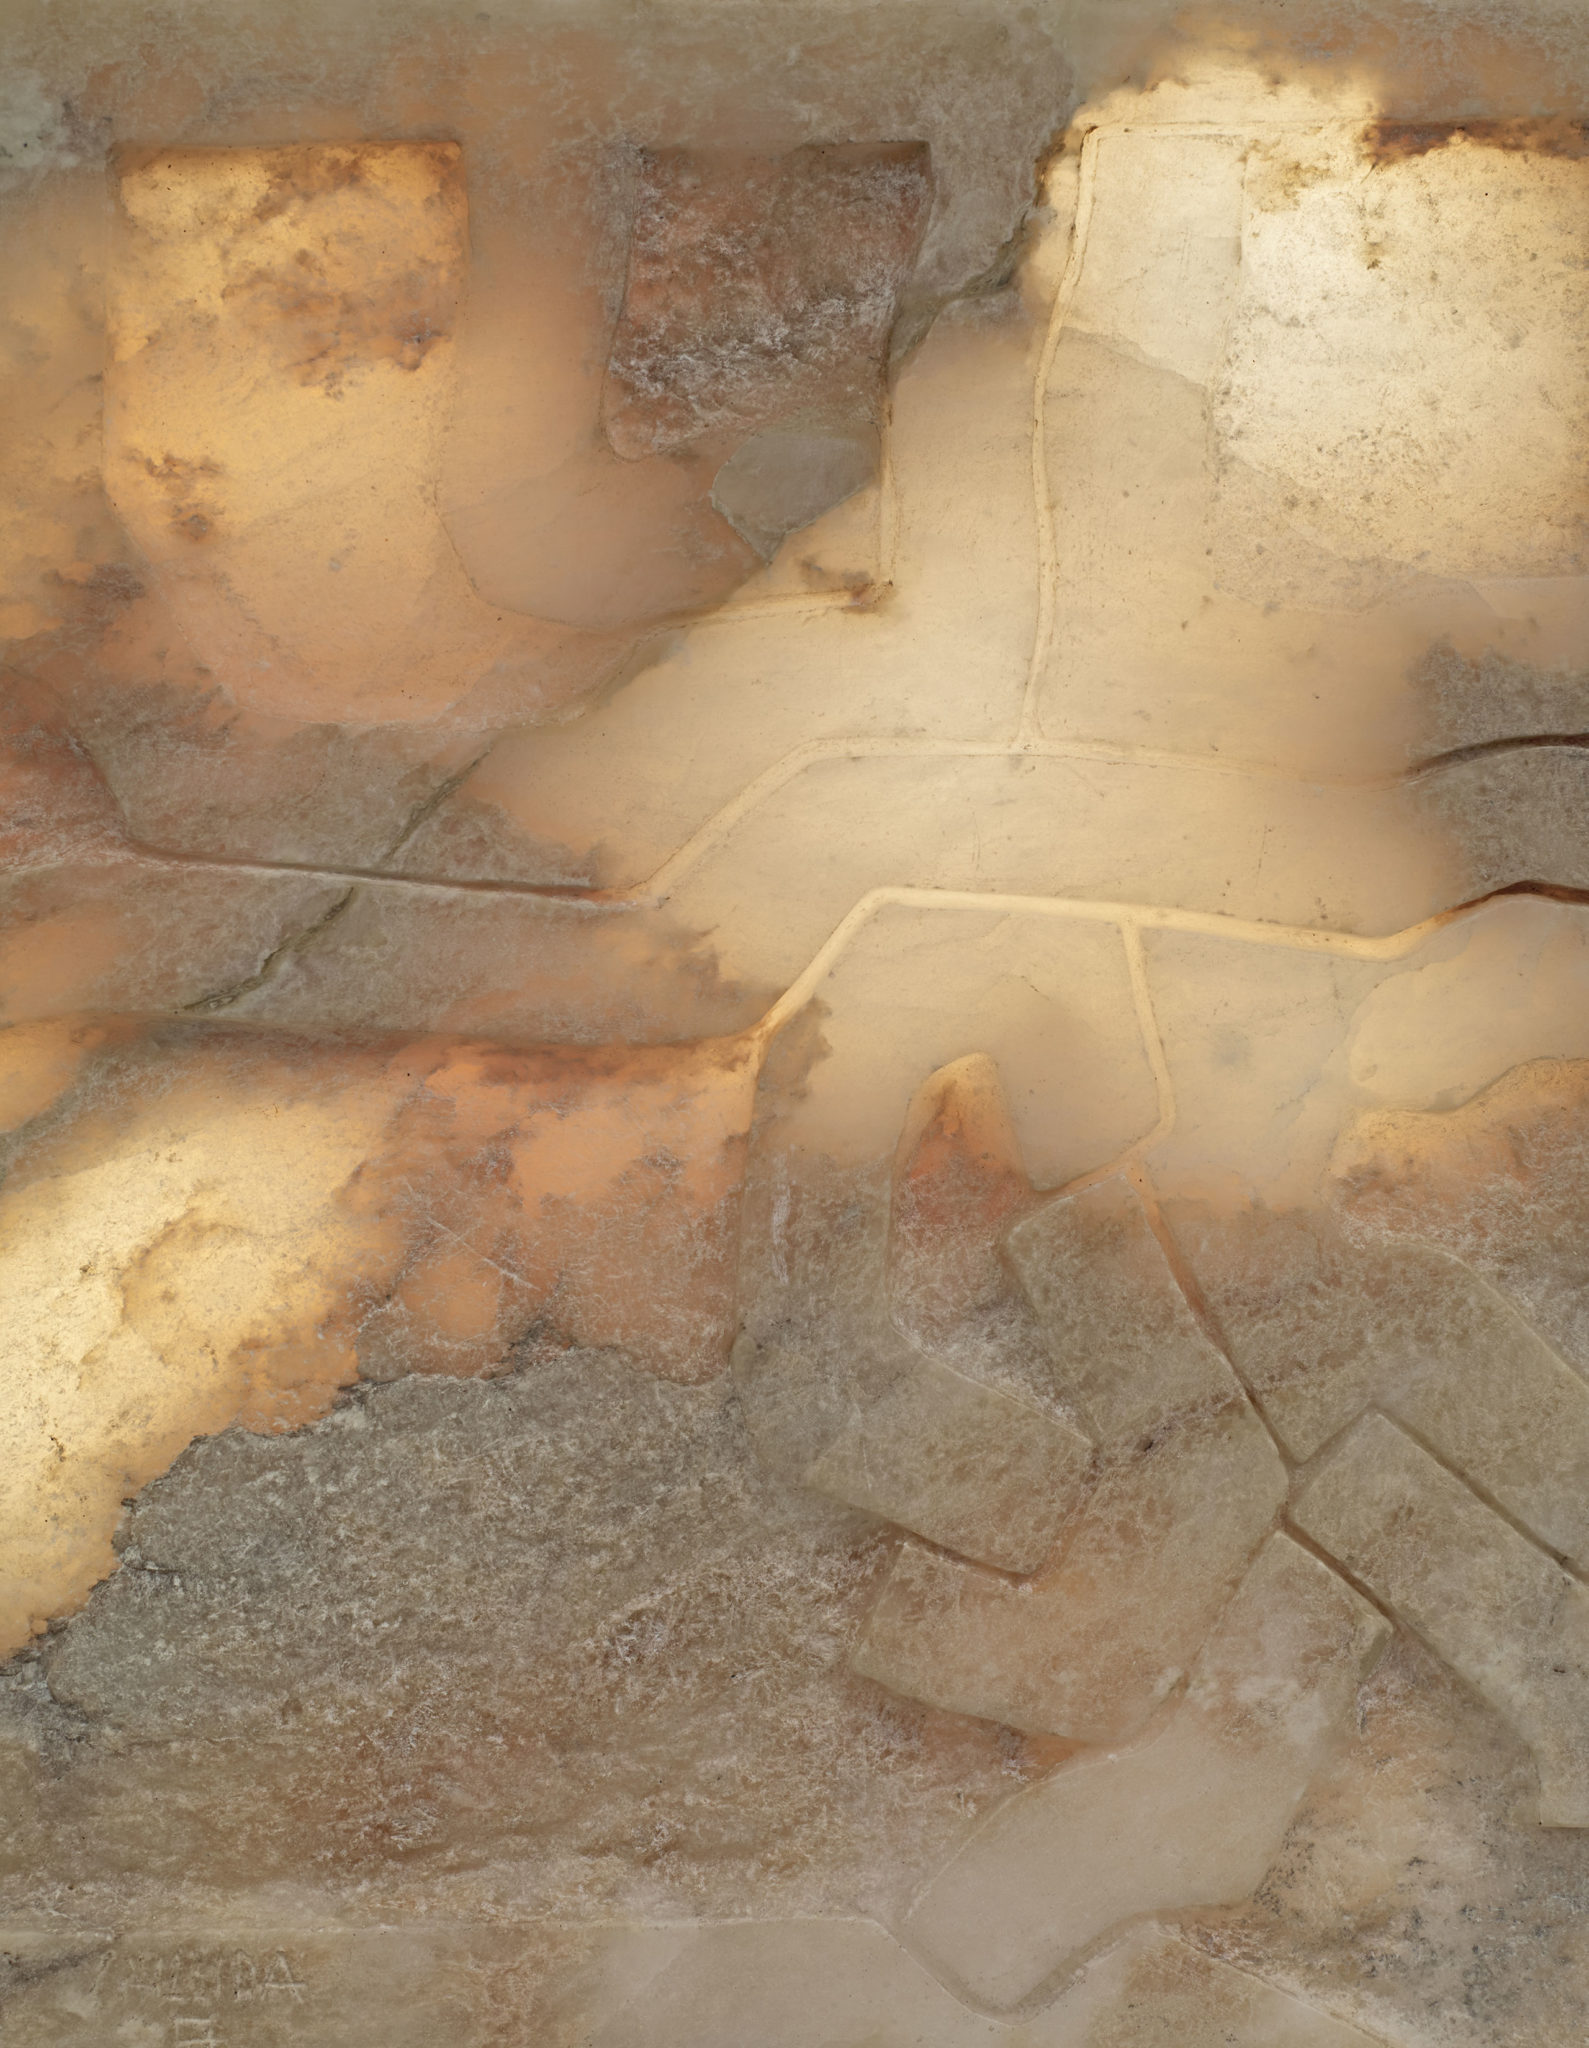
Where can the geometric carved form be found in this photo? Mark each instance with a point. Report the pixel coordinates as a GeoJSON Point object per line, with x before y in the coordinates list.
{"type": "Point", "coordinates": [784, 478]}
{"type": "Point", "coordinates": [919, 983]}
{"type": "Point", "coordinates": [515, 1698]}
{"type": "Point", "coordinates": [903, 1426]}
{"type": "Point", "coordinates": [1194, 1816]}
{"type": "Point", "coordinates": [1499, 1612]}
{"type": "Point", "coordinates": [658, 461]}
{"type": "Point", "coordinates": [1501, 1182]}
{"type": "Point", "coordinates": [1188, 1484]}
{"type": "Point", "coordinates": [968, 1467]}
{"type": "Point", "coordinates": [741, 399]}
{"type": "Point", "coordinates": [760, 289]}
{"type": "Point", "coordinates": [820, 1983]}
{"type": "Point", "coordinates": [1321, 1327]}
{"type": "Point", "coordinates": [959, 1183]}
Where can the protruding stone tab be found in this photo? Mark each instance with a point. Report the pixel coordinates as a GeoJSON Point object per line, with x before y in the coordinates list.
{"type": "Point", "coordinates": [1501, 1614]}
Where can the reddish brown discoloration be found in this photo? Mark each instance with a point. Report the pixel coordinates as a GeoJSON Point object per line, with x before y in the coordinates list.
{"type": "Point", "coordinates": [760, 287]}
{"type": "Point", "coordinates": [958, 1186]}
{"type": "Point", "coordinates": [1388, 142]}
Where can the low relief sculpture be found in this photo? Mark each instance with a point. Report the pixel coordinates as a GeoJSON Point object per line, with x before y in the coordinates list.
{"type": "Point", "coordinates": [793, 1060]}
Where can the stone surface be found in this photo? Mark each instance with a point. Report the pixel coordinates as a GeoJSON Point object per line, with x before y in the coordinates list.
{"type": "Point", "coordinates": [761, 290]}
{"type": "Point", "coordinates": [1188, 1482]}
{"type": "Point", "coordinates": [502, 1643]}
{"type": "Point", "coordinates": [794, 1007]}
{"type": "Point", "coordinates": [1321, 1328]}
{"type": "Point", "coordinates": [798, 1985]}
{"type": "Point", "coordinates": [1498, 1611]}
{"type": "Point", "coordinates": [923, 1432]}
{"type": "Point", "coordinates": [1194, 1816]}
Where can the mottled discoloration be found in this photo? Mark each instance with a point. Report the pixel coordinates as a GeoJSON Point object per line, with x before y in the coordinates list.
{"type": "Point", "coordinates": [1389, 142]}
{"type": "Point", "coordinates": [761, 288]}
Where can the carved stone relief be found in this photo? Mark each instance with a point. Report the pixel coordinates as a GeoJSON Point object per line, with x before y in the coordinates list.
{"type": "Point", "coordinates": [794, 1066]}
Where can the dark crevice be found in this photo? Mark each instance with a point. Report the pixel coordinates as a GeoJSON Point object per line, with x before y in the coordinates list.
{"type": "Point", "coordinates": [427, 807]}
{"type": "Point", "coordinates": [247, 864]}
{"type": "Point", "coordinates": [1202, 1313]}
{"type": "Point", "coordinates": [619, 899]}
{"type": "Point", "coordinates": [1548, 135]}
{"type": "Point", "coordinates": [1482, 750]}
{"type": "Point", "coordinates": [18, 1972]}
{"type": "Point", "coordinates": [1466, 1480]}
{"type": "Point", "coordinates": [1300, 1537]}
{"type": "Point", "coordinates": [1553, 892]}
{"type": "Point", "coordinates": [223, 998]}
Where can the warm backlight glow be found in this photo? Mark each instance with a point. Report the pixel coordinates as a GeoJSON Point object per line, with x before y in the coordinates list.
{"type": "Point", "coordinates": [794, 1026]}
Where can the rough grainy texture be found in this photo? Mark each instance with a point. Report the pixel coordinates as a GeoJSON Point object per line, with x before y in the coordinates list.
{"type": "Point", "coordinates": [1187, 1483]}
{"type": "Point", "coordinates": [760, 290]}
{"type": "Point", "coordinates": [492, 1644]}
{"type": "Point", "coordinates": [794, 1024]}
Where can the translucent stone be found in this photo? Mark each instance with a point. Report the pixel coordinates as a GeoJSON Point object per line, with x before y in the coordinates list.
{"type": "Point", "coordinates": [1188, 1483]}
{"type": "Point", "coordinates": [800, 1984]}
{"type": "Point", "coordinates": [906, 1429]}
{"type": "Point", "coordinates": [1321, 1329]}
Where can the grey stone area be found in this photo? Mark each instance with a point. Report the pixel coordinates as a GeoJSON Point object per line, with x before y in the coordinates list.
{"type": "Point", "coordinates": [1488, 701]}
{"type": "Point", "coordinates": [550, 1642]}
{"type": "Point", "coordinates": [1470, 1929]}
{"type": "Point", "coordinates": [782, 479]}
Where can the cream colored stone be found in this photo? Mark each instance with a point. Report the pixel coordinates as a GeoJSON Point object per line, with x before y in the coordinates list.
{"type": "Point", "coordinates": [1193, 1816]}
{"type": "Point", "coordinates": [1273, 1049]}
{"type": "Point", "coordinates": [921, 983]}
{"type": "Point", "coordinates": [1448, 279]}
{"type": "Point", "coordinates": [996, 823]}
{"type": "Point", "coordinates": [159, 1282]}
{"type": "Point", "coordinates": [1206, 633]}
{"type": "Point", "coordinates": [279, 379]}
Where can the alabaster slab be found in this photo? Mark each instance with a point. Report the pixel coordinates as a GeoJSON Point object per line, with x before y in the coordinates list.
{"type": "Point", "coordinates": [794, 1024]}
